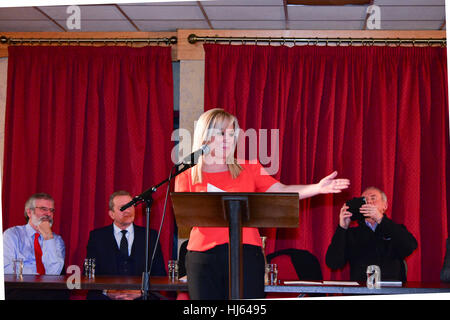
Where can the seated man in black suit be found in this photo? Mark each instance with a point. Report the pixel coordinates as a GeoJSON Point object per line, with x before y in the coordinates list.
{"type": "Point", "coordinates": [119, 249]}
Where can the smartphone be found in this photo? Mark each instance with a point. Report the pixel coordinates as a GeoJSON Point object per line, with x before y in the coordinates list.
{"type": "Point", "coordinates": [354, 205]}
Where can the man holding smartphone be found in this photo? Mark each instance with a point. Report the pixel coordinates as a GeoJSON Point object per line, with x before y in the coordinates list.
{"type": "Point", "coordinates": [377, 240]}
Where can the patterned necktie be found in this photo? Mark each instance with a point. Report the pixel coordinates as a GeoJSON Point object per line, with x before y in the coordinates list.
{"type": "Point", "coordinates": [124, 244]}
{"type": "Point", "coordinates": [38, 255]}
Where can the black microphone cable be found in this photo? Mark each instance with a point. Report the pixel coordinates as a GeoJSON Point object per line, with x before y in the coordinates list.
{"type": "Point", "coordinates": [204, 149]}
{"type": "Point", "coordinates": [162, 220]}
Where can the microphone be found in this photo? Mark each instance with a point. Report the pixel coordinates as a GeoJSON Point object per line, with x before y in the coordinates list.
{"type": "Point", "coordinates": [192, 159]}
{"type": "Point", "coordinates": [188, 162]}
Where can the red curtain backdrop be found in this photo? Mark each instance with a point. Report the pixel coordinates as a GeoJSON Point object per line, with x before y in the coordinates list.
{"type": "Point", "coordinates": [81, 123]}
{"type": "Point", "coordinates": [378, 115]}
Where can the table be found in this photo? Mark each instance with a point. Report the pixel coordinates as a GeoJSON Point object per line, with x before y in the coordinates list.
{"type": "Point", "coordinates": [163, 284]}
{"type": "Point", "coordinates": [97, 283]}
{"type": "Point", "coordinates": [361, 289]}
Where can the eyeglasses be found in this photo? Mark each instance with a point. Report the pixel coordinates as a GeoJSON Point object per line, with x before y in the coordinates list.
{"type": "Point", "coordinates": [45, 209]}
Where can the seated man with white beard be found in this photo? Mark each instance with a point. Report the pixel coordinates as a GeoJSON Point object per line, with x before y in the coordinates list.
{"type": "Point", "coordinates": [40, 248]}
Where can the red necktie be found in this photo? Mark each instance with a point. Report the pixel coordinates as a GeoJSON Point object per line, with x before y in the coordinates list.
{"type": "Point", "coordinates": [38, 255]}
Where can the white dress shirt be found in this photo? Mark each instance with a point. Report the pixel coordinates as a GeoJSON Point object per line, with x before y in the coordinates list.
{"type": "Point", "coordinates": [129, 235]}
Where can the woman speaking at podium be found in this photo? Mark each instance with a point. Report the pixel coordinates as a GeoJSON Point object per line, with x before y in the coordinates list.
{"type": "Point", "coordinates": [219, 170]}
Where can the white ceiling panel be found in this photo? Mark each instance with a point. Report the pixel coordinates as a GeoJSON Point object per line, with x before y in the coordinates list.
{"type": "Point", "coordinates": [227, 14]}
{"type": "Point", "coordinates": [245, 13]}
{"type": "Point", "coordinates": [28, 26]}
{"type": "Point", "coordinates": [160, 4]}
{"type": "Point", "coordinates": [21, 14]}
{"type": "Point", "coordinates": [106, 12]}
{"type": "Point", "coordinates": [412, 13]}
{"type": "Point", "coordinates": [327, 13]}
{"type": "Point", "coordinates": [102, 25]}
{"type": "Point", "coordinates": [233, 25]}
{"type": "Point", "coordinates": [410, 2]}
{"type": "Point", "coordinates": [410, 25]}
{"type": "Point", "coordinates": [163, 12]}
{"type": "Point", "coordinates": [173, 25]}
{"type": "Point", "coordinates": [242, 2]}
{"type": "Point", "coordinates": [326, 25]}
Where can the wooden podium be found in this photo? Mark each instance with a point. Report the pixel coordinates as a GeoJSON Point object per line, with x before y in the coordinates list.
{"type": "Point", "coordinates": [236, 210]}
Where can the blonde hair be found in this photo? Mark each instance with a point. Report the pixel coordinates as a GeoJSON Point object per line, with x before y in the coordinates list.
{"type": "Point", "coordinates": [213, 119]}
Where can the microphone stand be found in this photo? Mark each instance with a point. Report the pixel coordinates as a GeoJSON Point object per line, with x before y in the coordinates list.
{"type": "Point", "coordinates": [146, 273]}
{"type": "Point", "coordinates": [147, 198]}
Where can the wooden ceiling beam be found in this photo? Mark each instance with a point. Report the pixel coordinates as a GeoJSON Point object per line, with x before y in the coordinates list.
{"type": "Point", "coordinates": [127, 17]}
{"type": "Point", "coordinates": [50, 18]}
{"type": "Point", "coordinates": [286, 15]}
{"type": "Point", "coordinates": [204, 14]}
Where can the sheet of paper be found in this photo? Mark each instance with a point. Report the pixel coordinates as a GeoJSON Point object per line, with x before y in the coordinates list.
{"type": "Point", "coordinates": [303, 282]}
{"type": "Point", "coordinates": [213, 188]}
{"type": "Point", "coordinates": [340, 283]}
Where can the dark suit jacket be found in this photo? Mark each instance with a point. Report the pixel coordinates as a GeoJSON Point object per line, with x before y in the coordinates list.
{"type": "Point", "coordinates": [387, 247]}
{"type": "Point", "coordinates": [103, 247]}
